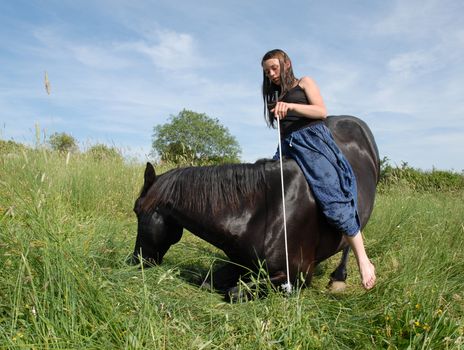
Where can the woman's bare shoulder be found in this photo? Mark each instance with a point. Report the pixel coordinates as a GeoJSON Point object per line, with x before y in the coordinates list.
{"type": "Point", "coordinates": [307, 82]}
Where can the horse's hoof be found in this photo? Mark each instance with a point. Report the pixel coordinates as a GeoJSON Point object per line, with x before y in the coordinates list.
{"type": "Point", "coordinates": [336, 286]}
{"type": "Point", "coordinates": [233, 295]}
{"type": "Point", "coordinates": [206, 285]}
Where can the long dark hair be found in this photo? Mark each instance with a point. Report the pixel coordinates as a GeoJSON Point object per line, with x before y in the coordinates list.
{"type": "Point", "coordinates": [287, 80]}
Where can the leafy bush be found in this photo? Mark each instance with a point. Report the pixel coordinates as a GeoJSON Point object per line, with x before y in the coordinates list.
{"type": "Point", "coordinates": [63, 142]}
{"type": "Point", "coordinates": [100, 152]}
{"type": "Point", "coordinates": [418, 180]}
{"type": "Point", "coordinates": [7, 147]}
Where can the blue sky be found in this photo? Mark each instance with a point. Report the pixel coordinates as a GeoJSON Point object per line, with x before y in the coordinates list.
{"type": "Point", "coordinates": [118, 68]}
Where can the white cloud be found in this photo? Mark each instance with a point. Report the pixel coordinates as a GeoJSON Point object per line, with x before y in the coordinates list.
{"type": "Point", "coordinates": [99, 57]}
{"type": "Point", "coordinates": [54, 45]}
{"type": "Point", "coordinates": [412, 63]}
{"type": "Point", "coordinates": [172, 50]}
{"type": "Point", "coordinates": [415, 19]}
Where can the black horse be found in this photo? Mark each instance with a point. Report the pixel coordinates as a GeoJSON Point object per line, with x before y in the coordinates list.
{"type": "Point", "coordinates": [238, 208]}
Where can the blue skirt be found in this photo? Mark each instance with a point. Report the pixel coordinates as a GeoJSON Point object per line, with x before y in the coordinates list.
{"type": "Point", "coordinates": [329, 174]}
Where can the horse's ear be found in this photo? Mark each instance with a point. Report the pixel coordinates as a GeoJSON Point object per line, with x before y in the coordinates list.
{"type": "Point", "coordinates": [149, 177]}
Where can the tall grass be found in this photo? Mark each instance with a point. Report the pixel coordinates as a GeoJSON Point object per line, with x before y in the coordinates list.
{"type": "Point", "coordinates": [66, 229]}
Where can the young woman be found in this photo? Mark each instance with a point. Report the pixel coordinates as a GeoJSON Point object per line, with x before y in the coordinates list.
{"type": "Point", "coordinates": [300, 109]}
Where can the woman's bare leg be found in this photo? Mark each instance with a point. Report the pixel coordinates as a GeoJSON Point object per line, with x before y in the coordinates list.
{"type": "Point", "coordinates": [366, 268]}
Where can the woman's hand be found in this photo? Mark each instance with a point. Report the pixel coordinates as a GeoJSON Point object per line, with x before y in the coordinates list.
{"type": "Point", "coordinates": [281, 109]}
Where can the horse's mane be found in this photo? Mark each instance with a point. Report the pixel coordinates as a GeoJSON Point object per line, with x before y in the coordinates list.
{"type": "Point", "coordinates": [207, 188]}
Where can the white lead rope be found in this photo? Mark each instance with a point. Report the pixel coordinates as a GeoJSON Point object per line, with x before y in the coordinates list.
{"type": "Point", "coordinates": [287, 287]}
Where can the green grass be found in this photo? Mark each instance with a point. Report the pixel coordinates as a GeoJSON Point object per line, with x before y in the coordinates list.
{"type": "Point", "coordinates": [66, 229]}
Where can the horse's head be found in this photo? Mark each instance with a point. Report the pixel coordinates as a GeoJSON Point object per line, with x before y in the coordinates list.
{"type": "Point", "coordinates": [156, 229]}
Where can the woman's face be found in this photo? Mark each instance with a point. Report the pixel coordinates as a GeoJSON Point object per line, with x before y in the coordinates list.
{"type": "Point", "coordinates": [271, 68]}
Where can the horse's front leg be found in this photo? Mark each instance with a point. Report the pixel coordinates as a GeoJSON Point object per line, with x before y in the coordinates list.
{"type": "Point", "coordinates": [257, 288]}
{"type": "Point", "coordinates": [338, 276]}
{"type": "Point", "coordinates": [224, 277]}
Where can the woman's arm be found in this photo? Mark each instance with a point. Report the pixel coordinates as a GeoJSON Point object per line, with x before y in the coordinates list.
{"type": "Point", "coordinates": [315, 110]}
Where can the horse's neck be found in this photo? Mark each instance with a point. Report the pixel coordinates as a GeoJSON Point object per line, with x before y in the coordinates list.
{"type": "Point", "coordinates": [218, 209]}
{"type": "Point", "coordinates": [208, 227]}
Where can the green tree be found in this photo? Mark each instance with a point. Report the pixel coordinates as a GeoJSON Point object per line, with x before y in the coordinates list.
{"type": "Point", "coordinates": [63, 142]}
{"type": "Point", "coordinates": [195, 138]}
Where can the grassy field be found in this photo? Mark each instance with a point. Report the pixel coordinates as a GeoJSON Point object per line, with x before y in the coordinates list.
{"type": "Point", "coordinates": [66, 228]}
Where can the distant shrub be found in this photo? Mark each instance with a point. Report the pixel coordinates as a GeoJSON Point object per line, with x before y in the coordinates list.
{"type": "Point", "coordinates": [63, 143]}
{"type": "Point", "coordinates": [7, 147]}
{"type": "Point", "coordinates": [101, 152]}
{"type": "Point", "coordinates": [419, 180]}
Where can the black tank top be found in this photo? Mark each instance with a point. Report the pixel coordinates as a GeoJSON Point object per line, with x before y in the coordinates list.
{"type": "Point", "coordinates": [292, 121]}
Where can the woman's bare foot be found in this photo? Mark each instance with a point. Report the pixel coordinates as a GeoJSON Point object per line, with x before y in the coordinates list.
{"type": "Point", "coordinates": [367, 272]}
